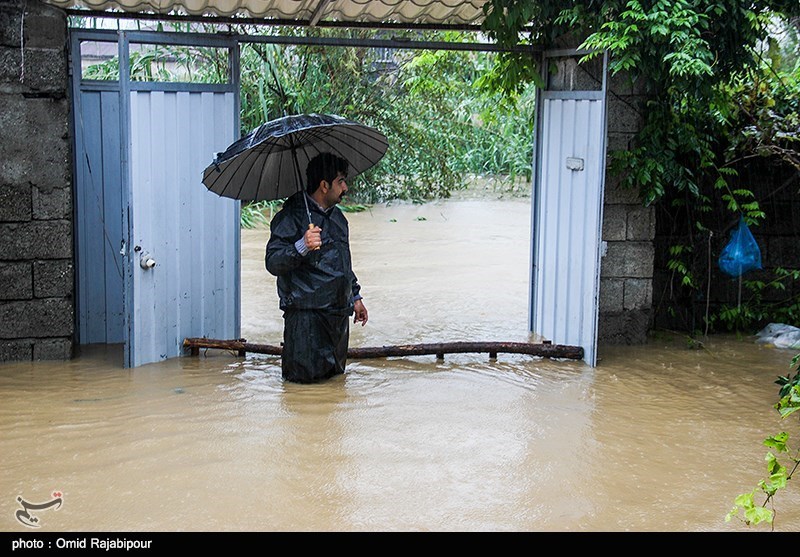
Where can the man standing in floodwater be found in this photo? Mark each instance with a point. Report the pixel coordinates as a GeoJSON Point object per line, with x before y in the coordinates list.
{"type": "Point", "coordinates": [317, 287]}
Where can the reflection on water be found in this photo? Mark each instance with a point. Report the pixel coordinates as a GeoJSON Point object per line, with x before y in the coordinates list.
{"type": "Point", "coordinates": [655, 438]}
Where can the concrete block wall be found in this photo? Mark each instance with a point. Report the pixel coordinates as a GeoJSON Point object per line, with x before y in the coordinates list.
{"type": "Point", "coordinates": [626, 277]}
{"type": "Point", "coordinates": [776, 188]}
{"type": "Point", "coordinates": [36, 216]}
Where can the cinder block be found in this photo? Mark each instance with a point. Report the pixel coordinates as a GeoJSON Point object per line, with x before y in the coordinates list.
{"type": "Point", "coordinates": [16, 350]}
{"type": "Point", "coordinates": [616, 193]}
{"type": "Point", "coordinates": [10, 15]}
{"type": "Point", "coordinates": [612, 291]}
{"type": "Point", "coordinates": [45, 70]}
{"type": "Point", "coordinates": [570, 75]}
{"type": "Point", "coordinates": [11, 67]}
{"type": "Point", "coordinates": [641, 223]}
{"type": "Point", "coordinates": [614, 222]}
{"type": "Point", "coordinates": [638, 294]}
{"type": "Point", "coordinates": [52, 349]}
{"type": "Point", "coordinates": [52, 203]}
{"type": "Point", "coordinates": [624, 114]}
{"type": "Point", "coordinates": [16, 281]}
{"type": "Point", "coordinates": [36, 319]}
{"type": "Point", "coordinates": [628, 260]}
{"type": "Point", "coordinates": [618, 141]}
{"type": "Point", "coordinates": [621, 84]}
{"type": "Point", "coordinates": [39, 150]}
{"type": "Point", "coordinates": [36, 240]}
{"type": "Point", "coordinates": [623, 328]}
{"type": "Point", "coordinates": [588, 75]}
{"type": "Point", "coordinates": [13, 115]}
{"type": "Point", "coordinates": [45, 29]}
{"type": "Point", "coordinates": [53, 279]}
{"type": "Point", "coordinates": [15, 202]}
{"type": "Point", "coordinates": [568, 40]}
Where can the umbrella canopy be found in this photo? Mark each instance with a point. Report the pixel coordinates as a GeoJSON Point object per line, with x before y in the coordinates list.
{"type": "Point", "coordinates": [270, 161]}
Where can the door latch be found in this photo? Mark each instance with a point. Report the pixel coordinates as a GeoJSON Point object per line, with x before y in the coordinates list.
{"type": "Point", "coordinates": [146, 261]}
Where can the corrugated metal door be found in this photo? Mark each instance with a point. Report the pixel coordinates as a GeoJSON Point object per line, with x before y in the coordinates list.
{"type": "Point", "coordinates": [158, 254]}
{"type": "Point", "coordinates": [188, 234]}
{"type": "Point", "coordinates": [567, 208]}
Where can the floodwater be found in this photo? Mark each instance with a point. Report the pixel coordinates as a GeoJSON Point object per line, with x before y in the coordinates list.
{"type": "Point", "coordinates": [659, 437]}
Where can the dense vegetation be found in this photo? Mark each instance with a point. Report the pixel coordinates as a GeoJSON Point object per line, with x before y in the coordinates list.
{"type": "Point", "coordinates": [443, 130]}
{"type": "Point", "coordinates": [440, 128]}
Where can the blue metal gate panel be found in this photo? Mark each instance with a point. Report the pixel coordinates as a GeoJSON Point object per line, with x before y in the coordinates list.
{"type": "Point", "coordinates": [99, 231]}
{"type": "Point", "coordinates": [567, 219]}
{"type": "Point", "coordinates": [190, 233]}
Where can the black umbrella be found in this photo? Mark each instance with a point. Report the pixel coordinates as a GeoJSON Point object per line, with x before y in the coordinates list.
{"type": "Point", "coordinates": [269, 162]}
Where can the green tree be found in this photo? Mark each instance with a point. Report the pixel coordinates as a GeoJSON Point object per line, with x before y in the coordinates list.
{"type": "Point", "coordinates": [440, 127]}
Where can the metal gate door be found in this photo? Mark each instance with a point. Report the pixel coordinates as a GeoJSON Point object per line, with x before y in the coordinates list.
{"type": "Point", "coordinates": [175, 246]}
{"type": "Point", "coordinates": [98, 211]}
{"type": "Point", "coordinates": [567, 211]}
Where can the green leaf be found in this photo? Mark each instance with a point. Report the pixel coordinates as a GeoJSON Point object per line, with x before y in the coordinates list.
{"type": "Point", "coordinates": [757, 515]}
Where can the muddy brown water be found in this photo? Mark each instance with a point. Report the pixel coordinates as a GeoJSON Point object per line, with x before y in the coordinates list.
{"type": "Point", "coordinates": [660, 437]}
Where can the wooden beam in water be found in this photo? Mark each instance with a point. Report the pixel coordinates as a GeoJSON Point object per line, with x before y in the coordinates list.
{"type": "Point", "coordinates": [544, 349]}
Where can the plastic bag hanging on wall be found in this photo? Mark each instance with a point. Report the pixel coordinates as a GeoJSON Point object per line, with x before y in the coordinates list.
{"type": "Point", "coordinates": [741, 253]}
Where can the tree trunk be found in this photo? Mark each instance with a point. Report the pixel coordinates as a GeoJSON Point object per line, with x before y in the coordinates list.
{"type": "Point", "coordinates": [544, 350]}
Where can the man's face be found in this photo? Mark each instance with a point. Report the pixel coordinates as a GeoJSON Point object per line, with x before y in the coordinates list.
{"type": "Point", "coordinates": [336, 190]}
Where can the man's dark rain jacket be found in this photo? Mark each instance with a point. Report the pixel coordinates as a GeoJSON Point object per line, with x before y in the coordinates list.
{"type": "Point", "coordinates": [323, 279]}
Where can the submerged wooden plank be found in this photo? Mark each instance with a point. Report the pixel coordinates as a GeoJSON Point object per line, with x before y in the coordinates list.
{"type": "Point", "coordinates": [543, 350]}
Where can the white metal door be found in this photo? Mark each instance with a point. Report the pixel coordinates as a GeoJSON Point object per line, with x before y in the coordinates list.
{"type": "Point", "coordinates": [567, 216]}
{"type": "Point", "coordinates": [184, 240]}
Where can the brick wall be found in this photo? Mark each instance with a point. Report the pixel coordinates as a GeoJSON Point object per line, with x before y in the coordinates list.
{"type": "Point", "coordinates": [36, 248]}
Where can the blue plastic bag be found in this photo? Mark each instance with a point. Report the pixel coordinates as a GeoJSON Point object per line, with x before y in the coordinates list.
{"type": "Point", "coordinates": [741, 253]}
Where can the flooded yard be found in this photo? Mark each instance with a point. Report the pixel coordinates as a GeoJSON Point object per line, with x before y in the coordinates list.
{"type": "Point", "coordinates": [659, 437]}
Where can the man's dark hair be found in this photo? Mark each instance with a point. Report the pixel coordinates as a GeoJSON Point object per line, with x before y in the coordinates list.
{"type": "Point", "coordinates": [325, 166]}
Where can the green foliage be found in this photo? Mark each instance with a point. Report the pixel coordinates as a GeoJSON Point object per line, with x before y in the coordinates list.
{"type": "Point", "coordinates": [258, 214]}
{"type": "Point", "coordinates": [103, 71]}
{"type": "Point", "coordinates": [786, 382]}
{"type": "Point", "coordinates": [424, 101]}
{"type": "Point", "coordinates": [778, 473]}
{"type": "Point", "coordinates": [166, 63]}
{"type": "Point", "coordinates": [678, 264]}
{"type": "Point", "coordinates": [754, 309]}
